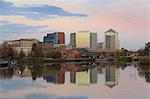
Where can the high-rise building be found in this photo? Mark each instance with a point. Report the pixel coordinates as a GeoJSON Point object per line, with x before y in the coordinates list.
{"type": "Point", "coordinates": [55, 38]}
{"type": "Point", "coordinates": [111, 40]}
{"type": "Point", "coordinates": [73, 39]}
{"type": "Point", "coordinates": [93, 40]}
{"type": "Point", "coordinates": [83, 39]}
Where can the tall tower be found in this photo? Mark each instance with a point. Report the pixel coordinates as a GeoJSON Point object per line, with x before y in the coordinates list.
{"type": "Point", "coordinates": [84, 39]}
{"type": "Point", "coordinates": [93, 40]}
{"type": "Point", "coordinates": [73, 39]}
{"type": "Point", "coordinates": [111, 40]}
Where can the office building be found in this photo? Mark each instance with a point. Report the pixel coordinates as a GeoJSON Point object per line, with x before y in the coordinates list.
{"type": "Point", "coordinates": [93, 40]}
{"type": "Point", "coordinates": [111, 40]}
{"type": "Point", "coordinates": [55, 38]}
{"type": "Point", "coordinates": [83, 39]}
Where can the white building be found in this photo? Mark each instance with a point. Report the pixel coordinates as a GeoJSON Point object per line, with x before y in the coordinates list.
{"type": "Point", "coordinates": [111, 40]}
{"type": "Point", "coordinates": [22, 44]}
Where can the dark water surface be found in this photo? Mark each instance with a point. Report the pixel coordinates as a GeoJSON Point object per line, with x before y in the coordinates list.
{"type": "Point", "coordinates": [75, 81]}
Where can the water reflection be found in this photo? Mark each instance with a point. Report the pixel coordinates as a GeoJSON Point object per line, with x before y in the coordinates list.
{"type": "Point", "coordinates": [111, 74]}
{"type": "Point", "coordinates": [80, 73]}
{"type": "Point", "coordinates": [75, 80]}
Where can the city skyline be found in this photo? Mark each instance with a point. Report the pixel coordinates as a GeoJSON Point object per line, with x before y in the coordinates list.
{"type": "Point", "coordinates": [30, 19]}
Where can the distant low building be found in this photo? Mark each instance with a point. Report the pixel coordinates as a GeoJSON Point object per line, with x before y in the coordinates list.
{"type": "Point", "coordinates": [100, 45]}
{"type": "Point", "coordinates": [44, 46]}
{"type": "Point", "coordinates": [83, 77]}
{"type": "Point", "coordinates": [24, 45]}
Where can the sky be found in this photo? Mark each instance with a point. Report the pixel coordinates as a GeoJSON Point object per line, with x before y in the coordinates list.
{"type": "Point", "coordinates": [36, 18]}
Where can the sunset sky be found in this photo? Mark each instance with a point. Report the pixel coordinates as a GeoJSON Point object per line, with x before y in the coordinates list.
{"type": "Point", "coordinates": [36, 18]}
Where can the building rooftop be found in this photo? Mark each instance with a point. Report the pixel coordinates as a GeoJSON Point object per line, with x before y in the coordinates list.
{"type": "Point", "coordinates": [54, 33]}
{"type": "Point", "coordinates": [43, 43]}
{"type": "Point", "coordinates": [110, 30]}
{"type": "Point", "coordinates": [22, 40]}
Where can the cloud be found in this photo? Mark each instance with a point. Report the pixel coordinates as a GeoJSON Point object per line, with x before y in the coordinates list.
{"type": "Point", "coordinates": [16, 30]}
{"type": "Point", "coordinates": [13, 28]}
{"type": "Point", "coordinates": [35, 12]}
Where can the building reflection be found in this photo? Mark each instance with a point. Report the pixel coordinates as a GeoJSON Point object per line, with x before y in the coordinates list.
{"type": "Point", "coordinates": [57, 77]}
{"type": "Point", "coordinates": [80, 73]}
{"type": "Point", "coordinates": [84, 76]}
{"type": "Point", "coordinates": [53, 75]}
{"type": "Point", "coordinates": [72, 77]}
{"type": "Point", "coordinates": [111, 73]}
{"type": "Point", "coordinates": [93, 75]}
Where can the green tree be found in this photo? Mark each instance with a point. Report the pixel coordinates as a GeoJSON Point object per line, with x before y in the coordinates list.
{"type": "Point", "coordinates": [147, 49]}
{"type": "Point", "coordinates": [2, 51]}
{"type": "Point", "coordinates": [53, 53]}
{"type": "Point", "coordinates": [21, 54]}
{"type": "Point", "coordinates": [37, 51]}
{"type": "Point", "coordinates": [6, 51]}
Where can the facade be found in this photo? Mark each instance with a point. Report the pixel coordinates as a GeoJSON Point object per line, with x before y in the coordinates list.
{"type": "Point", "coordinates": [84, 39]}
{"type": "Point", "coordinates": [93, 40]}
{"type": "Point", "coordinates": [44, 46]}
{"type": "Point", "coordinates": [111, 40]}
{"type": "Point", "coordinates": [73, 39]}
{"type": "Point", "coordinates": [55, 38]}
{"type": "Point", "coordinates": [22, 44]}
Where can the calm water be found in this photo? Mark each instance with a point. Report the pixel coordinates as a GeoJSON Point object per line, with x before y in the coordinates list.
{"type": "Point", "coordinates": [75, 81]}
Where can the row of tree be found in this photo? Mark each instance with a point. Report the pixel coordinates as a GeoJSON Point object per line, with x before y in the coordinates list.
{"type": "Point", "coordinates": [49, 53]}
{"type": "Point", "coordinates": [7, 51]}
{"type": "Point", "coordinates": [146, 50]}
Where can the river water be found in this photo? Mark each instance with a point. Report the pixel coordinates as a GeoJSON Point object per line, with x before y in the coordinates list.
{"type": "Point", "coordinates": [75, 81]}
